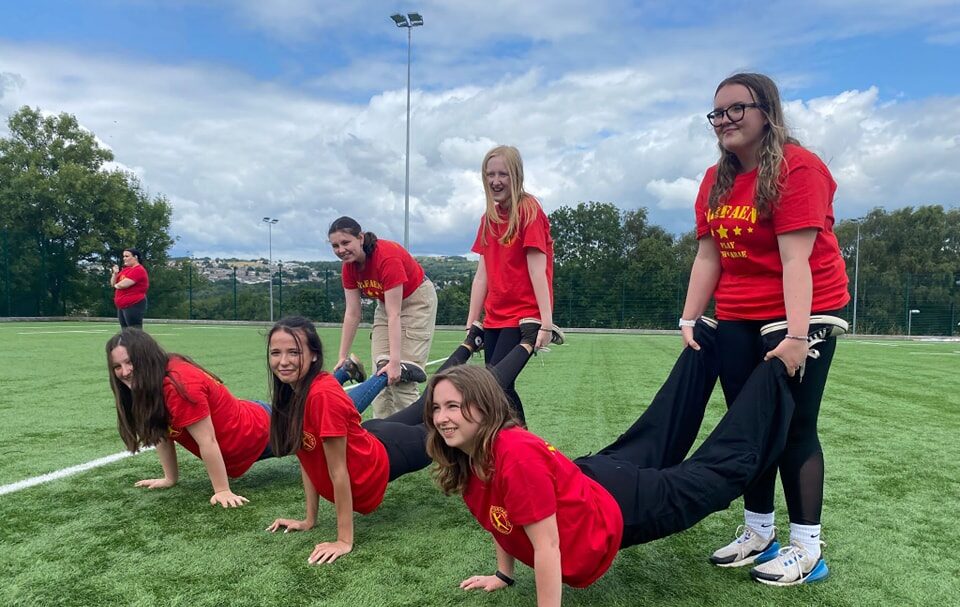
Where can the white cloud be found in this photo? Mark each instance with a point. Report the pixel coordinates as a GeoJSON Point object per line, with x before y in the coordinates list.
{"type": "Point", "coordinates": [227, 148]}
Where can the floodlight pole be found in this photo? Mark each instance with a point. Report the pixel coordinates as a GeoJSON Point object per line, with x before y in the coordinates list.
{"type": "Point", "coordinates": [270, 221]}
{"type": "Point", "coordinates": [409, 21]}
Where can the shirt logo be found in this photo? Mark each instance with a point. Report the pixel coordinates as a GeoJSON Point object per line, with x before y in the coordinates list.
{"type": "Point", "coordinates": [500, 520]}
{"type": "Point", "coordinates": [173, 432]}
{"type": "Point", "coordinates": [308, 442]}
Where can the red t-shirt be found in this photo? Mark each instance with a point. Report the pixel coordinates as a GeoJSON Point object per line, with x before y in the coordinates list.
{"type": "Point", "coordinates": [388, 266]}
{"type": "Point", "coordinates": [532, 480]}
{"type": "Point", "coordinates": [242, 427]}
{"type": "Point", "coordinates": [330, 413]}
{"type": "Point", "coordinates": [124, 298]}
{"type": "Point", "coordinates": [510, 295]}
{"type": "Point", "coordinates": [751, 276]}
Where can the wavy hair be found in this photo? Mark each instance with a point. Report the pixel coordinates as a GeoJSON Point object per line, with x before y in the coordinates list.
{"type": "Point", "coordinates": [289, 402]}
{"type": "Point", "coordinates": [483, 401]}
{"type": "Point", "coordinates": [142, 416]}
{"type": "Point", "coordinates": [352, 226]}
{"type": "Point", "coordinates": [523, 206]}
{"type": "Point", "coordinates": [771, 172]}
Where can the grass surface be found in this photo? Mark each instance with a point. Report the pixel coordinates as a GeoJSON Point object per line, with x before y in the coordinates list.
{"type": "Point", "coordinates": [890, 426]}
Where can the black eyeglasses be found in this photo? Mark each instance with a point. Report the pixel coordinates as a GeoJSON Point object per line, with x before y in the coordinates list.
{"type": "Point", "coordinates": [734, 113]}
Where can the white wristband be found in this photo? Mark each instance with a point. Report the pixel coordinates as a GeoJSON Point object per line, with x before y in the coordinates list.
{"type": "Point", "coordinates": [687, 323]}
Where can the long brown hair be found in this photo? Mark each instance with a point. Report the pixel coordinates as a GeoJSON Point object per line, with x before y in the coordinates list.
{"type": "Point", "coordinates": [771, 172]}
{"type": "Point", "coordinates": [288, 402]}
{"type": "Point", "coordinates": [483, 401]}
{"type": "Point", "coordinates": [142, 416]}
{"type": "Point", "coordinates": [523, 206]}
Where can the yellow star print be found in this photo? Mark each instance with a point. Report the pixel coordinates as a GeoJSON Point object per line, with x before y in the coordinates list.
{"type": "Point", "coordinates": [722, 231]}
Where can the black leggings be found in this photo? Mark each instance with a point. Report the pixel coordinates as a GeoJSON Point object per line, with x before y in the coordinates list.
{"type": "Point", "coordinates": [404, 435]}
{"type": "Point", "coordinates": [660, 494]}
{"type": "Point", "coordinates": [801, 465]}
{"type": "Point", "coordinates": [132, 316]}
{"type": "Point", "coordinates": [497, 344]}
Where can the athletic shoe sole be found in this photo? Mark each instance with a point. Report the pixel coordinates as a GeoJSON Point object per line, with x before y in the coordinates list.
{"type": "Point", "coordinates": [760, 558]}
{"type": "Point", "coordinates": [819, 573]}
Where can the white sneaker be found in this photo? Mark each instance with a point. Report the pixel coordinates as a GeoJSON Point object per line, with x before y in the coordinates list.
{"type": "Point", "coordinates": [792, 566]}
{"type": "Point", "coordinates": [749, 547]}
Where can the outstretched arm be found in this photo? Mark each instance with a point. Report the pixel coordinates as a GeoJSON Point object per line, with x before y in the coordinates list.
{"type": "Point", "coordinates": [351, 320]}
{"type": "Point", "coordinates": [335, 450]}
{"type": "Point", "coordinates": [537, 268]}
{"type": "Point", "coordinates": [167, 452]}
{"type": "Point", "coordinates": [478, 293]}
{"type": "Point", "coordinates": [202, 432]}
{"type": "Point", "coordinates": [703, 282]}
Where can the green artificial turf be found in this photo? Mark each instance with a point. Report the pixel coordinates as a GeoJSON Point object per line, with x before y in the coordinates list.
{"type": "Point", "coordinates": [890, 427]}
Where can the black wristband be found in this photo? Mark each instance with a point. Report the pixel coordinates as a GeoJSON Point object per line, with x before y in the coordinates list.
{"type": "Point", "coordinates": [506, 579]}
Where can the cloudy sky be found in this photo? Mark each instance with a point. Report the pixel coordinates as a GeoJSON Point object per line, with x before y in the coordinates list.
{"type": "Point", "coordinates": [237, 109]}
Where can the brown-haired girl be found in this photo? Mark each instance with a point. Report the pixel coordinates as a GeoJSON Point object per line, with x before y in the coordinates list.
{"type": "Point", "coordinates": [163, 398]}
{"type": "Point", "coordinates": [567, 519]}
{"type": "Point", "coordinates": [406, 312]}
{"type": "Point", "coordinates": [342, 460]}
{"type": "Point", "coordinates": [767, 252]}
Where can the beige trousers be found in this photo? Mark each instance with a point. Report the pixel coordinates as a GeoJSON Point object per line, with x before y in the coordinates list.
{"type": "Point", "coordinates": [418, 317]}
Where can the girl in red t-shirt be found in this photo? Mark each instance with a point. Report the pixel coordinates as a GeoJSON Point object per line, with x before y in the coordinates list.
{"type": "Point", "coordinates": [130, 286]}
{"type": "Point", "coordinates": [164, 398]}
{"type": "Point", "coordinates": [514, 278]}
{"type": "Point", "coordinates": [567, 519]}
{"type": "Point", "coordinates": [342, 460]}
{"type": "Point", "coordinates": [767, 252]}
{"type": "Point", "coordinates": [406, 311]}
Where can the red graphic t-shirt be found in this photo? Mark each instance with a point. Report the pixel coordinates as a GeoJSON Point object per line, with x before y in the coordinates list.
{"type": "Point", "coordinates": [242, 428]}
{"type": "Point", "coordinates": [124, 298]}
{"type": "Point", "coordinates": [330, 413]}
{"type": "Point", "coordinates": [388, 266]}
{"type": "Point", "coordinates": [510, 295]}
{"type": "Point", "coordinates": [532, 480]}
{"type": "Point", "coordinates": [751, 276]}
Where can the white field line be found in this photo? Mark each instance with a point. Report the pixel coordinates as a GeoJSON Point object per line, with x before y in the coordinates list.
{"type": "Point", "coordinates": [52, 476]}
{"type": "Point", "coordinates": [103, 461]}
{"type": "Point", "coordinates": [63, 332]}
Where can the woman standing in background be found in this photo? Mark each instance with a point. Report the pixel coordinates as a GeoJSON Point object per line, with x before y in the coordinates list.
{"type": "Point", "coordinates": [130, 286]}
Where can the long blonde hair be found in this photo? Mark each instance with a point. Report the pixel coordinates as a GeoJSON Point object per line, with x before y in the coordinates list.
{"type": "Point", "coordinates": [484, 402]}
{"type": "Point", "coordinates": [523, 206]}
{"type": "Point", "coordinates": [771, 172]}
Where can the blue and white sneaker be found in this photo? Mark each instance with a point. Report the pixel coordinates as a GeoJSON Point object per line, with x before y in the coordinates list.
{"type": "Point", "coordinates": [749, 548]}
{"type": "Point", "coordinates": [792, 566]}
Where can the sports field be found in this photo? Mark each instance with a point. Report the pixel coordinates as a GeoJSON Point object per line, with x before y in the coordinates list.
{"type": "Point", "coordinates": [890, 425]}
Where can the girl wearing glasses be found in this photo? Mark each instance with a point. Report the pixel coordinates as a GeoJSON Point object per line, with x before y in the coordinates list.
{"type": "Point", "coordinates": [767, 252]}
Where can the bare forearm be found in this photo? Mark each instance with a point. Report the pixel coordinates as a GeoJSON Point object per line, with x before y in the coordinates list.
{"type": "Point", "coordinates": [537, 269]}
{"type": "Point", "coordinates": [216, 469]}
{"type": "Point", "coordinates": [343, 502]}
{"type": "Point", "coordinates": [547, 572]}
{"type": "Point", "coordinates": [797, 295]}
{"type": "Point", "coordinates": [478, 293]}
{"type": "Point", "coordinates": [704, 276]}
{"type": "Point", "coordinates": [167, 453]}
{"type": "Point", "coordinates": [351, 320]}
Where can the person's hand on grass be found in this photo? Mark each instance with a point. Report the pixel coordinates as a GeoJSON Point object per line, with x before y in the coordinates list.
{"type": "Point", "coordinates": [288, 525]}
{"type": "Point", "coordinates": [328, 552]}
{"type": "Point", "coordinates": [227, 499]}
{"type": "Point", "coordinates": [488, 583]}
{"type": "Point", "coordinates": [155, 483]}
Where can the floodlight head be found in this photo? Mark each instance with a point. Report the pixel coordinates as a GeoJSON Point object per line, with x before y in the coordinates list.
{"type": "Point", "coordinates": [400, 20]}
{"type": "Point", "coordinates": [415, 19]}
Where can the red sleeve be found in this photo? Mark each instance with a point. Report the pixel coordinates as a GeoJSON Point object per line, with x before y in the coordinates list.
{"type": "Point", "coordinates": [529, 484]}
{"type": "Point", "coordinates": [804, 201]}
{"type": "Point", "coordinates": [537, 234]}
{"type": "Point", "coordinates": [349, 276]}
{"type": "Point", "coordinates": [703, 203]}
{"type": "Point", "coordinates": [333, 412]}
{"type": "Point", "coordinates": [137, 274]}
{"type": "Point", "coordinates": [186, 411]}
{"type": "Point", "coordinates": [478, 246]}
{"type": "Point", "coordinates": [392, 274]}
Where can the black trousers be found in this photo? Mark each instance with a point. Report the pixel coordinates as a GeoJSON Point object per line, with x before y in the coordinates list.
{"type": "Point", "coordinates": [658, 493]}
{"type": "Point", "coordinates": [801, 467]}
{"type": "Point", "coordinates": [132, 316]}
{"type": "Point", "coordinates": [498, 344]}
{"type": "Point", "coordinates": [404, 435]}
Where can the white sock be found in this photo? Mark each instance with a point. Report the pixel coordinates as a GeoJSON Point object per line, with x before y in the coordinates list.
{"type": "Point", "coordinates": [807, 536]}
{"type": "Point", "coordinates": [761, 523]}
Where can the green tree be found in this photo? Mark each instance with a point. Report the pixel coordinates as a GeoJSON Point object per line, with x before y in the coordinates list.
{"type": "Point", "coordinates": [65, 218]}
